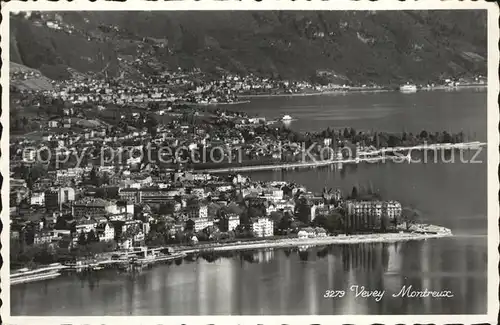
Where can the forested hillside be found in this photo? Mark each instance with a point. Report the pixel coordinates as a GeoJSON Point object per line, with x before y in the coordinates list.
{"type": "Point", "coordinates": [383, 47]}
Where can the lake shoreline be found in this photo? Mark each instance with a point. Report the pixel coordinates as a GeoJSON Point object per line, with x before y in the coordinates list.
{"type": "Point", "coordinates": [362, 90]}
{"type": "Point", "coordinates": [437, 232]}
{"type": "Point", "coordinates": [416, 232]}
{"type": "Point", "coordinates": [374, 156]}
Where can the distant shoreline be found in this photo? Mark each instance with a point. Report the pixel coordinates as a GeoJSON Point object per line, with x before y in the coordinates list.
{"type": "Point", "coordinates": [361, 90]}
{"type": "Point", "coordinates": [318, 163]}
{"type": "Point", "coordinates": [238, 102]}
{"type": "Point", "coordinates": [316, 93]}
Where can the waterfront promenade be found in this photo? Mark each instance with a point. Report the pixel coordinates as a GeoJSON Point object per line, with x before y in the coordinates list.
{"type": "Point", "coordinates": [363, 156]}
{"type": "Point", "coordinates": [418, 232]}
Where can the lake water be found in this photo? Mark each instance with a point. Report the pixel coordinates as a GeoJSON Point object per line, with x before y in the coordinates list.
{"type": "Point", "coordinates": [294, 281]}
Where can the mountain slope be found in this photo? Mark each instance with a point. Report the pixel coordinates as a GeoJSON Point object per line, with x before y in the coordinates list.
{"type": "Point", "coordinates": [384, 47]}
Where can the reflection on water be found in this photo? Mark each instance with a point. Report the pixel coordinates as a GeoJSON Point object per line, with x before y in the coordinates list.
{"type": "Point", "coordinates": [274, 281]}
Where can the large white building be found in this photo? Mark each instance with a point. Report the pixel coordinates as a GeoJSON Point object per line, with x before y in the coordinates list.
{"type": "Point", "coordinates": [105, 232]}
{"type": "Point", "coordinates": [229, 222]}
{"type": "Point", "coordinates": [90, 207]}
{"type": "Point", "coordinates": [273, 194]}
{"type": "Point", "coordinates": [37, 198]}
{"type": "Point", "coordinates": [29, 155]}
{"type": "Point", "coordinates": [280, 205]}
{"type": "Point", "coordinates": [86, 225]}
{"type": "Point", "coordinates": [263, 227]}
{"type": "Point", "coordinates": [197, 211]}
{"type": "Point", "coordinates": [201, 223]}
{"type": "Point", "coordinates": [368, 214]}
{"type": "Point", "coordinates": [65, 175]}
{"type": "Point", "coordinates": [393, 209]}
{"type": "Point", "coordinates": [120, 207]}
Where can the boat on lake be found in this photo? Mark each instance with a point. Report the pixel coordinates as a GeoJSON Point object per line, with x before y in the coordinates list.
{"type": "Point", "coordinates": [26, 275]}
{"type": "Point", "coordinates": [408, 88]}
{"type": "Point", "coordinates": [286, 118]}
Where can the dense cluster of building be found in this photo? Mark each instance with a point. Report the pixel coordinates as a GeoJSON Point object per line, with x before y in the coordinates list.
{"type": "Point", "coordinates": [129, 200]}
{"type": "Point", "coordinates": [78, 173]}
{"type": "Point", "coordinates": [50, 211]}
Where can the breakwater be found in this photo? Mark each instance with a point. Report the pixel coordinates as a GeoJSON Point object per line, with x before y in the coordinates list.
{"type": "Point", "coordinates": [362, 156]}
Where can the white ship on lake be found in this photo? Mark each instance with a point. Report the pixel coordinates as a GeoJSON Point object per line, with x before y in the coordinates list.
{"type": "Point", "coordinates": [408, 88]}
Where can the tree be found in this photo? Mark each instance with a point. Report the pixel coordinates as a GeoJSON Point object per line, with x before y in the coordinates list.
{"type": "Point", "coordinates": [94, 248]}
{"type": "Point", "coordinates": [155, 238]}
{"type": "Point", "coordinates": [276, 216]}
{"type": "Point", "coordinates": [327, 195]}
{"type": "Point", "coordinates": [61, 223]}
{"type": "Point", "coordinates": [354, 193]}
{"type": "Point", "coordinates": [409, 216]}
{"type": "Point", "coordinates": [255, 212]}
{"type": "Point", "coordinates": [105, 179]}
{"type": "Point", "coordinates": [94, 178]}
{"type": "Point", "coordinates": [91, 237]}
{"type": "Point", "coordinates": [82, 239]}
{"type": "Point", "coordinates": [166, 208]}
{"type": "Point", "coordinates": [446, 137]}
{"type": "Point", "coordinates": [384, 222]}
{"type": "Point", "coordinates": [285, 222]}
{"type": "Point", "coordinates": [153, 131]}
{"type": "Point", "coordinates": [130, 232]}
{"type": "Point", "coordinates": [44, 256]}
{"type": "Point", "coordinates": [352, 133]}
{"type": "Point", "coordinates": [346, 133]}
{"type": "Point", "coordinates": [332, 222]}
{"type": "Point", "coordinates": [192, 201]}
{"type": "Point", "coordinates": [393, 141]}
{"type": "Point", "coordinates": [181, 237]}
{"type": "Point", "coordinates": [303, 210]}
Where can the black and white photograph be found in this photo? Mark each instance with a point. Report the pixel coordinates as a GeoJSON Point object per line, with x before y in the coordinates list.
{"type": "Point", "coordinates": [284, 162]}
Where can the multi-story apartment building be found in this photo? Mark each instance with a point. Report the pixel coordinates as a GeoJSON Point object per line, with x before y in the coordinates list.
{"type": "Point", "coordinates": [37, 198]}
{"type": "Point", "coordinates": [43, 237]}
{"type": "Point", "coordinates": [363, 214]}
{"type": "Point", "coordinates": [130, 195]}
{"type": "Point", "coordinates": [273, 194]}
{"type": "Point", "coordinates": [120, 207]}
{"type": "Point", "coordinates": [263, 227]}
{"type": "Point", "coordinates": [90, 207]}
{"type": "Point", "coordinates": [86, 225]}
{"type": "Point", "coordinates": [29, 155]}
{"type": "Point", "coordinates": [67, 175]}
{"type": "Point", "coordinates": [54, 197]}
{"type": "Point", "coordinates": [198, 224]}
{"type": "Point", "coordinates": [393, 209]}
{"type": "Point", "coordinates": [229, 222]}
{"type": "Point", "coordinates": [154, 195]}
{"type": "Point", "coordinates": [368, 214]}
{"type": "Point", "coordinates": [197, 211]}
